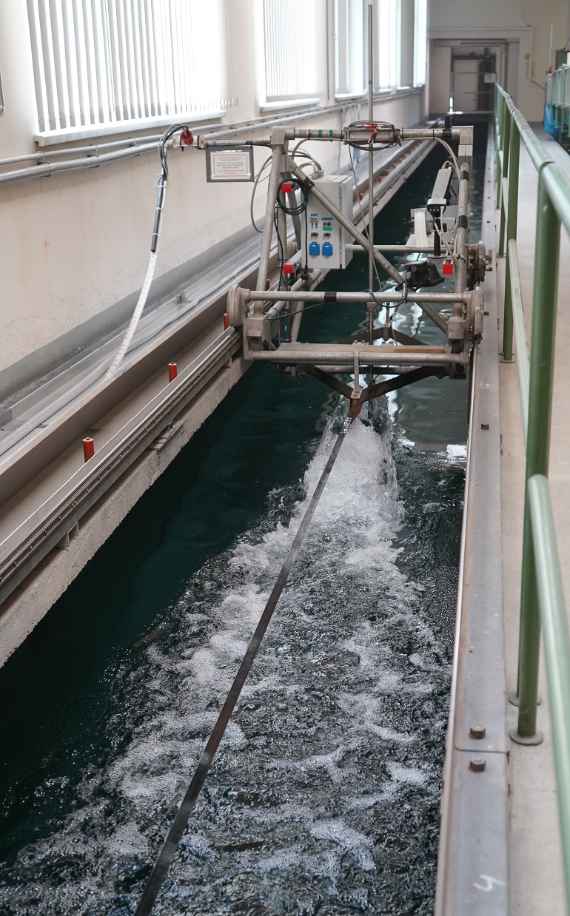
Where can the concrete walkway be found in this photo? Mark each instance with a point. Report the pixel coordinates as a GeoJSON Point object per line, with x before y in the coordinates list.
{"type": "Point", "coordinates": [537, 883]}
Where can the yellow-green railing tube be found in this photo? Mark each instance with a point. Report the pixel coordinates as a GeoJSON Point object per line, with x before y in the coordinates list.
{"type": "Point", "coordinates": [554, 619]}
{"type": "Point", "coordinates": [512, 219]}
{"type": "Point", "coordinates": [544, 310]}
{"type": "Point", "coordinates": [508, 127]}
{"type": "Point", "coordinates": [499, 134]}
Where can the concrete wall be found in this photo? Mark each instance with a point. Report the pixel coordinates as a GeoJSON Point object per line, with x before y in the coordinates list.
{"type": "Point", "coordinates": [74, 245]}
{"type": "Point", "coordinates": [530, 29]}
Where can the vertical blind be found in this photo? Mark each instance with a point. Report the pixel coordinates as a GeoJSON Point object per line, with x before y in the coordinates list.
{"type": "Point", "coordinates": [389, 24]}
{"type": "Point", "coordinates": [350, 47]}
{"type": "Point", "coordinates": [420, 42]}
{"type": "Point", "coordinates": [292, 34]}
{"type": "Point", "coordinates": [98, 63]}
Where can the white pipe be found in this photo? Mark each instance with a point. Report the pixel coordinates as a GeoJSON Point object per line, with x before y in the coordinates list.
{"type": "Point", "coordinates": [135, 318]}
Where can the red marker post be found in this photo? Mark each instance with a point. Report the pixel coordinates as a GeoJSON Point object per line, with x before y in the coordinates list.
{"type": "Point", "coordinates": [88, 448]}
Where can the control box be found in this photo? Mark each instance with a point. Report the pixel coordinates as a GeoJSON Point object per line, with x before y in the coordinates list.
{"type": "Point", "coordinates": [324, 239]}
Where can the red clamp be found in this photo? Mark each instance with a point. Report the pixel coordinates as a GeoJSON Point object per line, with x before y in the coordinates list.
{"type": "Point", "coordinates": [287, 187]}
{"type": "Point", "coordinates": [186, 137]}
{"type": "Point", "coordinates": [289, 269]}
{"type": "Point", "coordinates": [448, 268]}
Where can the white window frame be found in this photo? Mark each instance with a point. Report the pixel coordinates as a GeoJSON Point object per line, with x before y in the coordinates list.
{"type": "Point", "coordinates": [266, 100]}
{"type": "Point", "coordinates": [345, 42]}
{"type": "Point", "coordinates": [105, 67]}
{"type": "Point", "coordinates": [395, 37]}
{"type": "Point", "coordinates": [420, 38]}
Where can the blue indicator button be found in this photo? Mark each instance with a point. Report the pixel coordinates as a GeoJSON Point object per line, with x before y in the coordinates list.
{"type": "Point", "coordinates": [328, 250]}
{"type": "Point", "coordinates": [315, 249]}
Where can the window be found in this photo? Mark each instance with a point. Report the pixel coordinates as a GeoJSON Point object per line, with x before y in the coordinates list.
{"type": "Point", "coordinates": [420, 42]}
{"type": "Point", "coordinates": [350, 47]}
{"type": "Point", "coordinates": [389, 26]}
{"type": "Point", "coordinates": [291, 67]}
{"type": "Point", "coordinates": [109, 65]}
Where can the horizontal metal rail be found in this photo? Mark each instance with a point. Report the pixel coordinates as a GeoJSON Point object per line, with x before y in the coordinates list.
{"type": "Point", "coordinates": [542, 603]}
{"type": "Point", "coordinates": [366, 354]}
{"type": "Point", "coordinates": [50, 522]}
{"type": "Point", "coordinates": [364, 296]}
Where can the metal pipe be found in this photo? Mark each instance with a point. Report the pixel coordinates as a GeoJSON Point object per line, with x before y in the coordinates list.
{"type": "Point", "coordinates": [504, 174]}
{"type": "Point", "coordinates": [277, 308]}
{"type": "Point", "coordinates": [514, 281]}
{"type": "Point", "coordinates": [370, 148]}
{"type": "Point", "coordinates": [383, 134]}
{"type": "Point", "coordinates": [272, 190]}
{"type": "Point", "coordinates": [512, 220]}
{"type": "Point", "coordinates": [462, 232]}
{"type": "Point", "coordinates": [152, 141]}
{"type": "Point", "coordinates": [89, 162]}
{"type": "Point", "coordinates": [554, 617]}
{"type": "Point", "coordinates": [343, 298]}
{"type": "Point", "coordinates": [393, 249]}
{"type": "Point", "coordinates": [315, 355]}
{"type": "Point", "coordinates": [538, 449]}
{"type": "Point", "coordinates": [350, 227]}
{"type": "Point", "coordinates": [42, 156]}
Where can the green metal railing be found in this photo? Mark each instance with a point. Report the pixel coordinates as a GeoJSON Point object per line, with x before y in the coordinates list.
{"type": "Point", "coordinates": [543, 607]}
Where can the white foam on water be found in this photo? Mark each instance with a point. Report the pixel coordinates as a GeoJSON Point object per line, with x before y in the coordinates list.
{"type": "Point", "coordinates": [364, 802]}
{"type": "Point", "coordinates": [456, 453]}
{"type": "Point", "coordinates": [410, 775]}
{"type": "Point", "coordinates": [330, 763]}
{"type": "Point", "coordinates": [127, 841]}
{"type": "Point", "coordinates": [350, 840]}
{"type": "Point", "coordinates": [352, 534]}
{"type": "Point", "coordinates": [365, 711]}
{"type": "Point", "coordinates": [283, 859]}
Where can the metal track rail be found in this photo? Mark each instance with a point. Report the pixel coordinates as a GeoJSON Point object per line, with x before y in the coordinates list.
{"type": "Point", "coordinates": [52, 521]}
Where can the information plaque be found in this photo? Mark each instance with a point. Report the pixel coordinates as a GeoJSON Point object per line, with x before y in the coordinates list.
{"type": "Point", "coordinates": [230, 163]}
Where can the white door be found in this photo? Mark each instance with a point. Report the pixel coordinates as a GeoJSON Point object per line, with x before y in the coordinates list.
{"type": "Point", "coordinates": [466, 85]}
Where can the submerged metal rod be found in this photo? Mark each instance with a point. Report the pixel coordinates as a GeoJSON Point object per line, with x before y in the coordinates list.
{"type": "Point", "coordinates": [186, 807]}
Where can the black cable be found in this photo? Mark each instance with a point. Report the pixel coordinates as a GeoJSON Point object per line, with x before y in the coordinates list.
{"type": "Point", "coordinates": [188, 803]}
{"type": "Point", "coordinates": [280, 246]}
{"type": "Point", "coordinates": [299, 208]}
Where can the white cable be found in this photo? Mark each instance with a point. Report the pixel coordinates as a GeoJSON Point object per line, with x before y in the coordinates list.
{"type": "Point", "coordinates": [452, 154]}
{"type": "Point", "coordinates": [135, 318]}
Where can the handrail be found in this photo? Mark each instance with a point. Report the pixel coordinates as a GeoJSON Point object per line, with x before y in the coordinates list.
{"type": "Point", "coordinates": [556, 641]}
{"type": "Point", "coordinates": [543, 604]}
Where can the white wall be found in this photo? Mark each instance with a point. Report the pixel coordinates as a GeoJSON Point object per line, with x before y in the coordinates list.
{"type": "Point", "coordinates": [440, 82]}
{"type": "Point", "coordinates": [74, 245]}
{"type": "Point", "coordinates": [526, 24]}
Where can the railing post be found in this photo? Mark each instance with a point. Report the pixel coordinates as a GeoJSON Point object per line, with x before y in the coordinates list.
{"type": "Point", "coordinates": [512, 219]}
{"type": "Point", "coordinates": [499, 138]}
{"type": "Point", "coordinates": [508, 124]}
{"type": "Point", "coordinates": [537, 451]}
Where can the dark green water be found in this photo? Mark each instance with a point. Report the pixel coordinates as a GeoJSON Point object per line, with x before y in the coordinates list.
{"type": "Point", "coordinates": [325, 795]}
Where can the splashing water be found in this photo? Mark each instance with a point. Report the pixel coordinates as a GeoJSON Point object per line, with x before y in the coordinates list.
{"type": "Point", "coordinates": [334, 749]}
